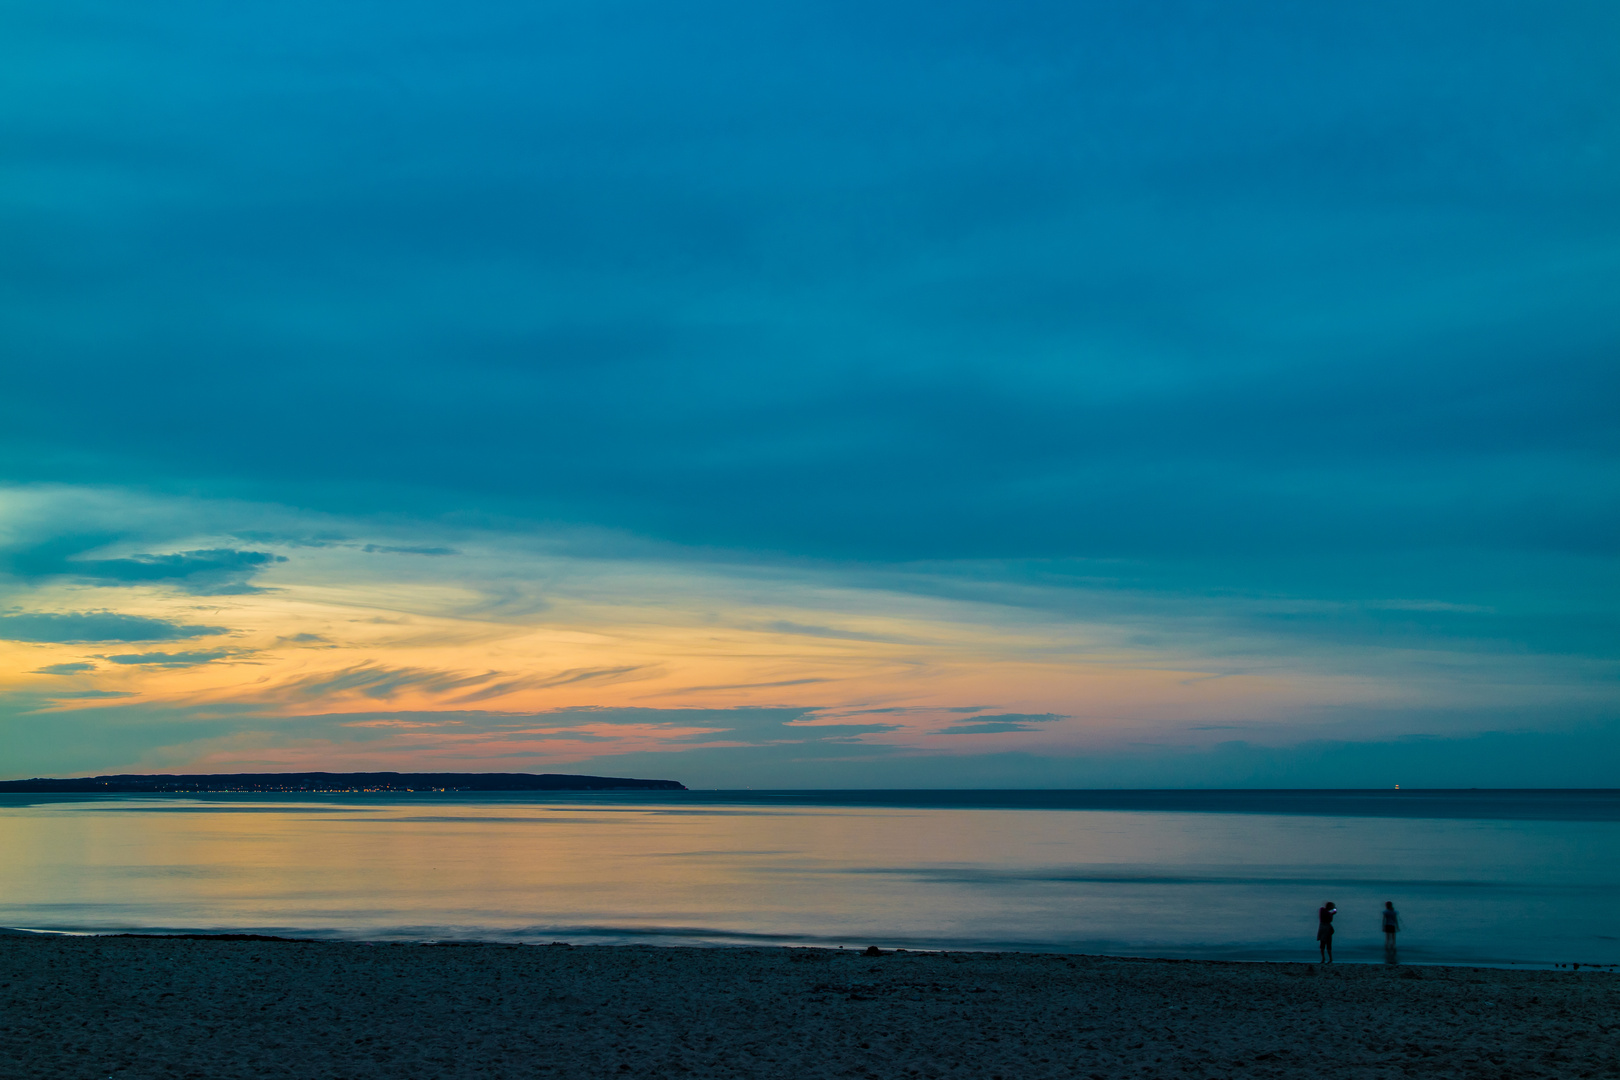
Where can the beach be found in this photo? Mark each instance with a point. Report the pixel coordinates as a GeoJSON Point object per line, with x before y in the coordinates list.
{"type": "Point", "coordinates": [218, 1008]}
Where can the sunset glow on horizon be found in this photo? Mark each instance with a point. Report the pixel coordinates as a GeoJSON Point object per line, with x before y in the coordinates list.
{"type": "Point", "coordinates": [1055, 395]}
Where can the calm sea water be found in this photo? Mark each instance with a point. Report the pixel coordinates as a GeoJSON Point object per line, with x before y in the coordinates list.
{"type": "Point", "coordinates": [1479, 877]}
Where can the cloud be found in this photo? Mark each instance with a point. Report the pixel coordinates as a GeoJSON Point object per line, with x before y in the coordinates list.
{"type": "Point", "coordinates": [175, 659]}
{"type": "Point", "coordinates": [562, 678]}
{"type": "Point", "coordinates": [598, 674]}
{"type": "Point", "coordinates": [64, 669]}
{"type": "Point", "coordinates": [746, 686]}
{"type": "Point", "coordinates": [782, 626]}
{"type": "Point", "coordinates": [1003, 323]}
{"type": "Point", "coordinates": [1095, 328]}
{"type": "Point", "coordinates": [765, 747]}
{"type": "Point", "coordinates": [293, 540]}
{"type": "Point", "coordinates": [93, 626]}
{"type": "Point", "coordinates": [76, 695]}
{"type": "Point", "coordinates": [1004, 722]}
{"type": "Point", "coordinates": [374, 680]}
{"type": "Point", "coordinates": [204, 572]}
{"type": "Point", "coordinates": [380, 681]}
{"type": "Point", "coordinates": [381, 549]}
{"type": "Point", "coordinates": [766, 722]}
{"type": "Point", "coordinates": [408, 725]}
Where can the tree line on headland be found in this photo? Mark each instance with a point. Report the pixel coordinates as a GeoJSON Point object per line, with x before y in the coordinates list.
{"type": "Point", "coordinates": [329, 781]}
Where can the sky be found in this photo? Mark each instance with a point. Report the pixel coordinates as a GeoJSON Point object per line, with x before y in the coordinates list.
{"type": "Point", "coordinates": [892, 394]}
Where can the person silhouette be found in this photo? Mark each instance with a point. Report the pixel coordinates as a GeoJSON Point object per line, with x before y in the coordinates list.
{"type": "Point", "coordinates": [1392, 926]}
{"type": "Point", "coordinates": [1324, 930]}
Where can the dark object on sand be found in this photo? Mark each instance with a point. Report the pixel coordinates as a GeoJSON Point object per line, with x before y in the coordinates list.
{"type": "Point", "coordinates": [325, 781]}
{"type": "Point", "coordinates": [872, 950]}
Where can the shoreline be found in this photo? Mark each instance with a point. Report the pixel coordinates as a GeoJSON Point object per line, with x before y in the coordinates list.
{"type": "Point", "coordinates": [138, 1007]}
{"type": "Point", "coordinates": [314, 938]}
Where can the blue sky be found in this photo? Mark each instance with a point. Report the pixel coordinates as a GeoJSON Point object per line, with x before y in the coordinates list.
{"type": "Point", "coordinates": [1235, 386]}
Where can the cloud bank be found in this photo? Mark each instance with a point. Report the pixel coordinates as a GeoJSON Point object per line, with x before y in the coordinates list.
{"type": "Point", "coordinates": [1056, 377]}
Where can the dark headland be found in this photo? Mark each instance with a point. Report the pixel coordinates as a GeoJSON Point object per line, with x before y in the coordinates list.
{"type": "Point", "coordinates": [330, 781]}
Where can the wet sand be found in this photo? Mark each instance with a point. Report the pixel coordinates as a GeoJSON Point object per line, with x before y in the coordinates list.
{"type": "Point", "coordinates": [215, 1009]}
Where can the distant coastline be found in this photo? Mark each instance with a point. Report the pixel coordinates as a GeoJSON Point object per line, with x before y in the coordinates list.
{"type": "Point", "coordinates": [333, 782]}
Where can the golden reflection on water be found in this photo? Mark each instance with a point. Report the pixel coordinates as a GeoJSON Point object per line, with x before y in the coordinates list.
{"type": "Point", "coordinates": [448, 866]}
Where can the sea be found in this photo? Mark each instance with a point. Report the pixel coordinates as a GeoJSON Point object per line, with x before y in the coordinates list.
{"type": "Point", "coordinates": [1495, 878]}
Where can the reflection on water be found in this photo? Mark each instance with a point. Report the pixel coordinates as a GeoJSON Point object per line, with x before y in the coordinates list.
{"type": "Point", "coordinates": [695, 867]}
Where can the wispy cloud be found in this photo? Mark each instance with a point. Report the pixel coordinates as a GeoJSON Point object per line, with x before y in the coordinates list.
{"type": "Point", "coordinates": [90, 695]}
{"type": "Point", "coordinates": [746, 686]}
{"type": "Point", "coordinates": [292, 540]}
{"type": "Point", "coordinates": [782, 626]}
{"type": "Point", "coordinates": [205, 572]}
{"type": "Point", "coordinates": [561, 678]}
{"type": "Point", "coordinates": [1000, 724]}
{"type": "Point", "coordinates": [379, 681]}
{"type": "Point", "coordinates": [403, 725]}
{"type": "Point", "coordinates": [382, 682]}
{"type": "Point", "coordinates": [93, 626]}
{"type": "Point", "coordinates": [169, 659]}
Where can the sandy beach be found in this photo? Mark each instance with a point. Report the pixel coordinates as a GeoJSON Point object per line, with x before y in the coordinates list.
{"type": "Point", "coordinates": [180, 1009]}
